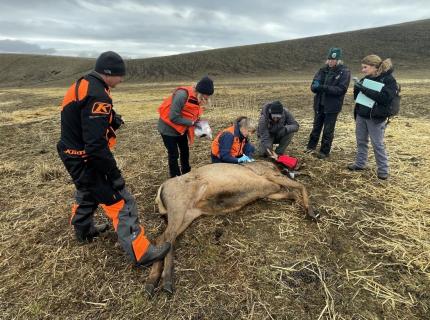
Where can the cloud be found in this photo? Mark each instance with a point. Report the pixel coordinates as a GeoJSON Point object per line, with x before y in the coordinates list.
{"type": "Point", "coordinates": [164, 27]}
{"type": "Point", "coordinates": [17, 46]}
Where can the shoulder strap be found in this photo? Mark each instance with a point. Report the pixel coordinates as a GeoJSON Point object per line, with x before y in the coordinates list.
{"type": "Point", "coordinates": [77, 89]}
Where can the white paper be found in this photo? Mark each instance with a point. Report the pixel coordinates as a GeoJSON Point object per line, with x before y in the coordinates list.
{"type": "Point", "coordinates": [365, 100]}
{"type": "Point", "coordinates": [202, 129]}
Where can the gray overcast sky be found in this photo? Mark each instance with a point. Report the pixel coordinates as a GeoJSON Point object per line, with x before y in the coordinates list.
{"type": "Point", "coordinates": [164, 27]}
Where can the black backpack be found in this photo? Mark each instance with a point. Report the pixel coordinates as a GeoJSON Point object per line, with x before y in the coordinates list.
{"type": "Point", "coordinates": [394, 108]}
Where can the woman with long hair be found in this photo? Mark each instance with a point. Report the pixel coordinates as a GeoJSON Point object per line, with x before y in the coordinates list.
{"type": "Point", "coordinates": [370, 121]}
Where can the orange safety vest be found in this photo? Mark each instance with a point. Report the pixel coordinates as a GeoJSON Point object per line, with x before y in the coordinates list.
{"type": "Point", "coordinates": [191, 111]}
{"type": "Point", "coordinates": [236, 148]}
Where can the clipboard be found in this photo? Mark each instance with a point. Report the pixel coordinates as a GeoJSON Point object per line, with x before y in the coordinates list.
{"type": "Point", "coordinates": [365, 100]}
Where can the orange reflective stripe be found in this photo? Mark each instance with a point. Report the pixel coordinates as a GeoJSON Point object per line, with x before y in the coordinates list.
{"type": "Point", "coordinates": [113, 210]}
{"type": "Point", "coordinates": [83, 89]}
{"type": "Point", "coordinates": [74, 208]}
{"type": "Point", "coordinates": [140, 244]}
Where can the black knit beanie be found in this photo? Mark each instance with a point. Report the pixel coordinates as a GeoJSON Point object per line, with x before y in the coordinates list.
{"type": "Point", "coordinates": [111, 64]}
{"type": "Point", "coordinates": [205, 86]}
{"type": "Point", "coordinates": [276, 109]}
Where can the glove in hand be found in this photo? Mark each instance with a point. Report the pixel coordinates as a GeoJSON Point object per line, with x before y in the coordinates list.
{"type": "Point", "coordinates": [359, 86]}
{"type": "Point", "coordinates": [118, 182]}
{"type": "Point", "coordinates": [315, 85]}
{"type": "Point", "coordinates": [117, 121]}
{"type": "Point", "coordinates": [243, 159]}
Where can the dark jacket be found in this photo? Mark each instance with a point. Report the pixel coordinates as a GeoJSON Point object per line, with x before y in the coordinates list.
{"type": "Point", "coordinates": [225, 142]}
{"type": "Point", "coordinates": [382, 99]}
{"type": "Point", "coordinates": [334, 83]}
{"type": "Point", "coordinates": [268, 129]}
{"type": "Point", "coordinates": [87, 123]}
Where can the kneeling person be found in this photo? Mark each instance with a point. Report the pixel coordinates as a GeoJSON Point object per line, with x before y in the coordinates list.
{"type": "Point", "coordinates": [276, 126]}
{"type": "Point", "coordinates": [232, 145]}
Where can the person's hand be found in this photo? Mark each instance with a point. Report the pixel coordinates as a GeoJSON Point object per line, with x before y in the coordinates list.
{"type": "Point", "coordinates": [243, 159]}
{"type": "Point", "coordinates": [358, 86]}
{"type": "Point", "coordinates": [116, 179]}
{"type": "Point", "coordinates": [117, 121]}
{"type": "Point", "coordinates": [118, 183]}
{"type": "Point", "coordinates": [272, 154]}
{"type": "Point", "coordinates": [315, 85]}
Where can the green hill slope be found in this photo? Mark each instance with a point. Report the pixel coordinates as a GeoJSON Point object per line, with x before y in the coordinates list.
{"type": "Point", "coordinates": [408, 44]}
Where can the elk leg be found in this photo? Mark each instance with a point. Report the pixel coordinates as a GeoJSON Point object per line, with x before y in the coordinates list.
{"type": "Point", "coordinates": [167, 275]}
{"type": "Point", "coordinates": [155, 273]}
{"type": "Point", "coordinates": [285, 182]}
{"type": "Point", "coordinates": [283, 195]}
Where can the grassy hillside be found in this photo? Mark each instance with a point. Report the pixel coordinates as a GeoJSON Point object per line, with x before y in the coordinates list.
{"type": "Point", "coordinates": [407, 44]}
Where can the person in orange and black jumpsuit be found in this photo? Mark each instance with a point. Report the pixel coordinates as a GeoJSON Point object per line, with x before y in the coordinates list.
{"type": "Point", "coordinates": [232, 144]}
{"type": "Point", "coordinates": [88, 125]}
{"type": "Point", "coordinates": [178, 114]}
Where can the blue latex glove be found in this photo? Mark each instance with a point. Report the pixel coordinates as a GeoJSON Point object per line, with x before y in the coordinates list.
{"type": "Point", "coordinates": [244, 158]}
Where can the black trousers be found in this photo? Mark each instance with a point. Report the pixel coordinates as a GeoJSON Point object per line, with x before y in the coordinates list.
{"type": "Point", "coordinates": [177, 147]}
{"type": "Point", "coordinates": [93, 188]}
{"type": "Point", "coordinates": [325, 122]}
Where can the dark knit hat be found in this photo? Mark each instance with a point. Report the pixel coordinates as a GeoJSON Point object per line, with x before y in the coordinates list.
{"type": "Point", "coordinates": [111, 64]}
{"type": "Point", "coordinates": [205, 86]}
{"type": "Point", "coordinates": [276, 109]}
{"type": "Point", "coordinates": [335, 54]}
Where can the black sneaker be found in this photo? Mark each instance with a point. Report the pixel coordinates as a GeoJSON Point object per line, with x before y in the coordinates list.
{"type": "Point", "coordinates": [153, 254]}
{"type": "Point", "coordinates": [322, 155]}
{"type": "Point", "coordinates": [354, 167]}
{"type": "Point", "coordinates": [308, 150]}
{"type": "Point", "coordinates": [383, 176]}
{"type": "Point", "coordinates": [88, 236]}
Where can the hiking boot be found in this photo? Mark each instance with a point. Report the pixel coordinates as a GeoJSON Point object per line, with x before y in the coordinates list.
{"type": "Point", "coordinates": [322, 155]}
{"type": "Point", "coordinates": [153, 254]}
{"type": "Point", "coordinates": [88, 236]}
{"type": "Point", "coordinates": [383, 176]}
{"type": "Point", "coordinates": [354, 167]}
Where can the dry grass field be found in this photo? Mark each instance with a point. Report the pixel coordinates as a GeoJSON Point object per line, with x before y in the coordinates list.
{"type": "Point", "coordinates": [368, 257]}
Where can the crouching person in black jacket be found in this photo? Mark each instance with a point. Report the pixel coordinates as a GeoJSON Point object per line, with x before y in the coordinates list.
{"type": "Point", "coordinates": [329, 85]}
{"type": "Point", "coordinates": [275, 126]}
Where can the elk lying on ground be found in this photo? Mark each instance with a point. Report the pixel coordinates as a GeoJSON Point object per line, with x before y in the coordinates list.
{"type": "Point", "coordinates": [212, 190]}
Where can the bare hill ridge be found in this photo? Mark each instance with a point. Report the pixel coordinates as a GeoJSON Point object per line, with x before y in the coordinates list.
{"type": "Point", "coordinates": [407, 44]}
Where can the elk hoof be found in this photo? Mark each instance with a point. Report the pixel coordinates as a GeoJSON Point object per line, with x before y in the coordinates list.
{"type": "Point", "coordinates": [168, 287]}
{"type": "Point", "coordinates": [313, 215]}
{"type": "Point", "coordinates": [149, 289]}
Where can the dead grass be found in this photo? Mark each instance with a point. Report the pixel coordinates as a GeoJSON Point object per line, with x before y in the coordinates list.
{"type": "Point", "coordinates": [369, 257]}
